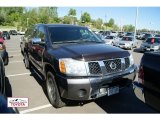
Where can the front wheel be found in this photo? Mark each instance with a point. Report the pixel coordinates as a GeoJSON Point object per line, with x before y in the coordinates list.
{"type": "Point", "coordinates": [26, 61]}
{"type": "Point", "coordinates": [53, 93]}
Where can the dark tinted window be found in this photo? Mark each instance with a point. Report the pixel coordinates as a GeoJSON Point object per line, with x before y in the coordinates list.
{"type": "Point", "coordinates": [127, 39]}
{"type": "Point", "coordinates": [157, 35]}
{"type": "Point", "coordinates": [153, 40]}
{"type": "Point", "coordinates": [109, 37]}
{"type": "Point", "coordinates": [61, 34]}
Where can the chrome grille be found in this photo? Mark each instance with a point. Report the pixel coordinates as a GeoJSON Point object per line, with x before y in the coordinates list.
{"type": "Point", "coordinates": [94, 68]}
{"type": "Point", "coordinates": [117, 63]}
{"type": "Point", "coordinates": [127, 63]}
{"type": "Point", "coordinates": [120, 64]}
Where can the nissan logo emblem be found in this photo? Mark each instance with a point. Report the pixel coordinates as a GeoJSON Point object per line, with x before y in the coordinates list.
{"type": "Point", "coordinates": [112, 65]}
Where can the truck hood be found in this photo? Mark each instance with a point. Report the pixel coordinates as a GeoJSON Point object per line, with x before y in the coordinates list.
{"type": "Point", "coordinates": [88, 52]}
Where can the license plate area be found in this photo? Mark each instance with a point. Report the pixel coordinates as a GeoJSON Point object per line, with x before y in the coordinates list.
{"type": "Point", "coordinates": [109, 91]}
{"type": "Point", "coordinates": [112, 90]}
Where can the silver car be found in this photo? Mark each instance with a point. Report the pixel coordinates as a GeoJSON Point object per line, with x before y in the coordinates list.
{"type": "Point", "coordinates": [128, 42]}
{"type": "Point", "coordinates": [110, 40]}
{"type": "Point", "coordinates": [151, 44]}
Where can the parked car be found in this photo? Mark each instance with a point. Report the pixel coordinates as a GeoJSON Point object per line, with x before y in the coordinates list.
{"type": "Point", "coordinates": [6, 35]}
{"type": "Point", "coordinates": [129, 34]}
{"type": "Point", "coordinates": [127, 42]}
{"type": "Point", "coordinates": [20, 32]}
{"type": "Point", "coordinates": [2, 77]}
{"type": "Point", "coordinates": [3, 52]}
{"type": "Point", "coordinates": [151, 44]}
{"type": "Point", "coordinates": [13, 32]}
{"type": "Point", "coordinates": [146, 36]}
{"type": "Point", "coordinates": [147, 88]}
{"type": "Point", "coordinates": [110, 40]}
{"type": "Point", "coordinates": [157, 35]}
{"type": "Point", "coordinates": [3, 88]}
{"type": "Point", "coordinates": [76, 64]}
{"type": "Point", "coordinates": [113, 33]}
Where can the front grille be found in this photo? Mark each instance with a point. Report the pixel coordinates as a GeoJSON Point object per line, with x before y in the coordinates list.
{"type": "Point", "coordinates": [127, 63]}
{"type": "Point", "coordinates": [110, 66]}
{"type": "Point", "coordinates": [121, 44]}
{"type": "Point", "coordinates": [94, 68]}
{"type": "Point", "coordinates": [113, 65]}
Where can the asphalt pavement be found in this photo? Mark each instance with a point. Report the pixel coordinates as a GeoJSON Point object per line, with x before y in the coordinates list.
{"type": "Point", "coordinates": [24, 83]}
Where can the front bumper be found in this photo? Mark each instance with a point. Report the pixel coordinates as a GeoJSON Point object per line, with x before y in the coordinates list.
{"type": "Point", "coordinates": [88, 88]}
{"type": "Point", "coordinates": [148, 49]}
{"type": "Point", "coordinates": [125, 46]}
{"type": "Point", "coordinates": [139, 90]}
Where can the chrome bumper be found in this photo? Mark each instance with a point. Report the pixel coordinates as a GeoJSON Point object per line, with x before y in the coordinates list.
{"type": "Point", "coordinates": [139, 90]}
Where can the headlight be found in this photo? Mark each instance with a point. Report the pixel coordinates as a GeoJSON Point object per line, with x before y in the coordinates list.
{"type": "Point", "coordinates": [131, 59]}
{"type": "Point", "coordinates": [156, 47]}
{"type": "Point", "coordinates": [72, 67]}
{"type": "Point", "coordinates": [127, 44]}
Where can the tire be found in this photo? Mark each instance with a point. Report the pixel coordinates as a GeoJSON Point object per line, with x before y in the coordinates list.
{"type": "Point", "coordinates": [131, 47]}
{"type": "Point", "coordinates": [26, 61]}
{"type": "Point", "coordinates": [53, 92]}
{"type": "Point", "coordinates": [112, 44]}
{"type": "Point", "coordinates": [6, 61]}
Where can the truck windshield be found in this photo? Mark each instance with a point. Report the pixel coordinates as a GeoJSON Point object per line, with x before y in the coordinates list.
{"type": "Point", "coordinates": [71, 34]}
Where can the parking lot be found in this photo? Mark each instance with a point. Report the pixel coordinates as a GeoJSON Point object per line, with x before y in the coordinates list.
{"type": "Point", "coordinates": [25, 83]}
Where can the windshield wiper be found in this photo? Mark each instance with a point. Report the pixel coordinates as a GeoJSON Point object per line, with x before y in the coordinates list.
{"type": "Point", "coordinates": [78, 41]}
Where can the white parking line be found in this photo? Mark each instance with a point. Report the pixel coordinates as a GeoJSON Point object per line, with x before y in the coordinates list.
{"type": "Point", "coordinates": [13, 51]}
{"type": "Point", "coordinates": [16, 55]}
{"type": "Point", "coordinates": [18, 74]}
{"type": "Point", "coordinates": [36, 108]}
{"type": "Point", "coordinates": [16, 62]}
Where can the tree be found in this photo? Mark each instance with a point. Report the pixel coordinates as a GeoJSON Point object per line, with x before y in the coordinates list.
{"type": "Point", "coordinates": [128, 28]}
{"type": "Point", "coordinates": [67, 20]}
{"type": "Point", "coordinates": [111, 22]}
{"type": "Point", "coordinates": [2, 19]}
{"type": "Point", "coordinates": [85, 17]}
{"type": "Point", "coordinates": [99, 23]}
{"type": "Point", "coordinates": [72, 12]}
{"type": "Point", "coordinates": [115, 27]}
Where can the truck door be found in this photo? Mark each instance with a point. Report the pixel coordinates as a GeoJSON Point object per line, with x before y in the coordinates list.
{"type": "Point", "coordinates": [38, 48]}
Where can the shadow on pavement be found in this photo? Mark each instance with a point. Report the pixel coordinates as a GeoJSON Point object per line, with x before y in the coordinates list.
{"type": "Point", "coordinates": [124, 102]}
{"type": "Point", "coordinates": [38, 77]}
{"type": "Point", "coordinates": [137, 50]}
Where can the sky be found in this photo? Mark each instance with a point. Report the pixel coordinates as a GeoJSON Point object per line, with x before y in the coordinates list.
{"type": "Point", "coordinates": [148, 17]}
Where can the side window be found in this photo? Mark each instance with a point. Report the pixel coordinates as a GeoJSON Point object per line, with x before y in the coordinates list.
{"type": "Point", "coordinates": [41, 33]}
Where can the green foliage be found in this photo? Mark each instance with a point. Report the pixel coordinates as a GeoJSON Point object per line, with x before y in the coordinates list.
{"type": "Point", "coordinates": [2, 19]}
{"type": "Point", "coordinates": [128, 28]}
{"type": "Point", "coordinates": [72, 12]}
{"type": "Point", "coordinates": [111, 22]}
{"type": "Point", "coordinates": [85, 17]}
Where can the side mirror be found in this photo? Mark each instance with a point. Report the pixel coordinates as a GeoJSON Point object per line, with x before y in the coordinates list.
{"type": "Point", "coordinates": [36, 40]}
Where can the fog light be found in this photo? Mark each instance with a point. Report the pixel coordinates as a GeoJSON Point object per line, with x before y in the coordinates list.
{"type": "Point", "coordinates": [82, 92]}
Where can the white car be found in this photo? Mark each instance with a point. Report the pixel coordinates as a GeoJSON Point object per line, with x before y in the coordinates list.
{"type": "Point", "coordinates": [110, 40]}
{"type": "Point", "coordinates": [128, 42]}
{"type": "Point", "coordinates": [21, 32]}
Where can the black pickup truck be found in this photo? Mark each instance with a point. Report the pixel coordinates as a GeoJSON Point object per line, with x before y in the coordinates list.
{"type": "Point", "coordinates": [75, 63]}
{"type": "Point", "coordinates": [147, 88]}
